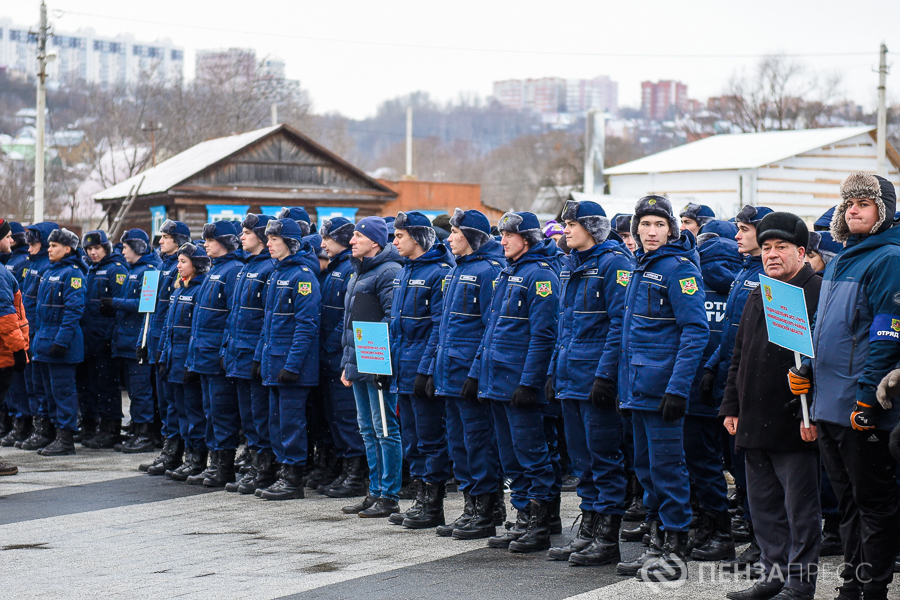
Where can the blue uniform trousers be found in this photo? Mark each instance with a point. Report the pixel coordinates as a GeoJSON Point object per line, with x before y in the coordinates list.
{"type": "Point", "coordinates": [473, 445]}
{"type": "Point", "coordinates": [191, 418]}
{"type": "Point", "coordinates": [317, 429]}
{"type": "Point", "coordinates": [250, 392]}
{"type": "Point", "coordinates": [224, 414]}
{"type": "Point", "coordinates": [660, 467]}
{"type": "Point", "coordinates": [102, 387]}
{"type": "Point", "coordinates": [166, 402]}
{"type": "Point", "coordinates": [431, 436]}
{"type": "Point", "coordinates": [140, 389]}
{"type": "Point", "coordinates": [87, 404]}
{"type": "Point", "coordinates": [411, 454]}
{"type": "Point", "coordinates": [17, 398]}
{"type": "Point", "coordinates": [552, 419]}
{"type": "Point", "coordinates": [339, 405]}
{"type": "Point", "coordinates": [703, 456]}
{"type": "Point", "coordinates": [34, 385]}
{"type": "Point", "coordinates": [384, 454]}
{"type": "Point", "coordinates": [62, 398]}
{"type": "Point", "coordinates": [524, 453]}
{"type": "Point", "coordinates": [287, 422]}
{"type": "Point", "coordinates": [594, 440]}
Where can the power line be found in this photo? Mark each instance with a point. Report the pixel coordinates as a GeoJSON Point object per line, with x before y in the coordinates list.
{"type": "Point", "coordinates": [271, 34]}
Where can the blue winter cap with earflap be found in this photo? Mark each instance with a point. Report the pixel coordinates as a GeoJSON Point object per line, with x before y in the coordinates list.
{"type": "Point", "coordinates": [222, 232]}
{"type": "Point", "coordinates": [298, 214]}
{"type": "Point", "coordinates": [339, 229]}
{"type": "Point", "coordinates": [288, 230]}
{"type": "Point", "coordinates": [589, 215]}
{"type": "Point", "coordinates": [474, 226]}
{"type": "Point", "coordinates": [257, 224]}
{"type": "Point", "coordinates": [137, 240]}
{"type": "Point", "coordinates": [525, 224]}
{"type": "Point", "coordinates": [752, 215]}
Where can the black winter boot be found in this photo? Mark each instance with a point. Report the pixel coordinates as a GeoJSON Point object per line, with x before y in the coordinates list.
{"type": "Point", "coordinates": [266, 474]}
{"type": "Point", "coordinates": [288, 487]}
{"type": "Point", "coordinates": [467, 514]}
{"type": "Point", "coordinates": [208, 471]}
{"type": "Point", "coordinates": [87, 429]}
{"type": "Point", "coordinates": [354, 482]}
{"type": "Point", "coordinates": [42, 435]}
{"type": "Point", "coordinates": [705, 527]}
{"type": "Point", "coordinates": [243, 461]}
{"type": "Point", "coordinates": [537, 534]}
{"type": "Point", "coordinates": [142, 440]}
{"type": "Point", "coordinates": [481, 524]}
{"type": "Point", "coordinates": [604, 548]}
{"type": "Point", "coordinates": [513, 530]}
{"type": "Point", "coordinates": [582, 539]}
{"type": "Point", "coordinates": [194, 464]}
{"type": "Point", "coordinates": [109, 433]}
{"type": "Point", "coordinates": [670, 565]}
{"type": "Point", "coordinates": [341, 476]}
{"type": "Point", "coordinates": [355, 509]}
{"type": "Point", "coordinates": [246, 478]}
{"type": "Point", "coordinates": [636, 510]}
{"type": "Point", "coordinates": [635, 534]}
{"type": "Point", "coordinates": [325, 467]}
{"type": "Point", "coordinates": [225, 473]}
{"type": "Point", "coordinates": [64, 444]}
{"type": "Point", "coordinates": [653, 551]}
{"type": "Point", "coordinates": [832, 545]}
{"type": "Point", "coordinates": [554, 522]}
{"type": "Point", "coordinates": [19, 433]}
{"type": "Point", "coordinates": [720, 545]}
{"type": "Point", "coordinates": [6, 423]}
{"type": "Point", "coordinates": [432, 513]}
{"type": "Point", "coordinates": [419, 486]}
{"type": "Point", "coordinates": [500, 506]}
{"type": "Point", "coordinates": [741, 530]}
{"type": "Point", "coordinates": [382, 508]}
{"type": "Point", "coordinates": [746, 560]}
{"type": "Point", "coordinates": [171, 457]}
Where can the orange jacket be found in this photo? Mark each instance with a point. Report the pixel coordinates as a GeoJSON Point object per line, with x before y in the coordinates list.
{"type": "Point", "coordinates": [13, 325]}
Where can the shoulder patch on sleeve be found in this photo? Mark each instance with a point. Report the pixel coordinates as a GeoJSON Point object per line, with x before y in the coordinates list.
{"type": "Point", "coordinates": [304, 288]}
{"type": "Point", "coordinates": [75, 282]}
{"type": "Point", "coordinates": [688, 286]}
{"type": "Point", "coordinates": [885, 327]}
{"type": "Point", "coordinates": [543, 288]}
{"type": "Point", "coordinates": [120, 278]}
{"type": "Point", "coordinates": [623, 277]}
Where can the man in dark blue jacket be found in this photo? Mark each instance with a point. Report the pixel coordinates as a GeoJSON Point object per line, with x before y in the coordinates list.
{"type": "Point", "coordinates": [664, 332]}
{"type": "Point", "coordinates": [173, 234]}
{"type": "Point", "coordinates": [338, 400]}
{"type": "Point", "coordinates": [510, 372]}
{"type": "Point", "coordinates": [468, 289]}
{"type": "Point", "coordinates": [105, 279]}
{"type": "Point", "coordinates": [694, 216]}
{"type": "Point", "coordinates": [128, 336]}
{"type": "Point", "coordinates": [245, 325]}
{"type": "Point", "coordinates": [415, 317]}
{"type": "Point", "coordinates": [220, 402]}
{"type": "Point", "coordinates": [582, 377]}
{"type": "Point", "coordinates": [288, 353]}
{"type": "Point", "coordinates": [856, 344]}
{"type": "Point", "coordinates": [59, 343]}
{"type": "Point", "coordinates": [42, 431]}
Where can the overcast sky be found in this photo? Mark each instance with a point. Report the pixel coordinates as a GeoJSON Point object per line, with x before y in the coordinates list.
{"type": "Point", "coordinates": [351, 55]}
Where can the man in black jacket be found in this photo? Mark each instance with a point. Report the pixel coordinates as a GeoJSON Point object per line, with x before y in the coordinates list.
{"type": "Point", "coordinates": [760, 410]}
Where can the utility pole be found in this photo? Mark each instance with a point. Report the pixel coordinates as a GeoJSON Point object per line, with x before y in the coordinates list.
{"type": "Point", "coordinates": [409, 171]}
{"type": "Point", "coordinates": [39, 117]}
{"type": "Point", "coordinates": [594, 148]}
{"type": "Point", "coordinates": [882, 112]}
{"type": "Point", "coordinates": [274, 114]}
{"type": "Point", "coordinates": [152, 128]}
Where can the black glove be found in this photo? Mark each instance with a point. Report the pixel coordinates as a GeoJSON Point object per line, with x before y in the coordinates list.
{"type": "Point", "coordinates": [429, 388]}
{"type": "Point", "coordinates": [672, 407]}
{"type": "Point", "coordinates": [524, 397]}
{"type": "Point", "coordinates": [191, 377]}
{"type": "Point", "coordinates": [285, 376]}
{"type": "Point", "coordinates": [864, 416]}
{"type": "Point", "coordinates": [707, 386]}
{"type": "Point", "coordinates": [470, 389]}
{"type": "Point", "coordinates": [106, 307]}
{"type": "Point", "coordinates": [549, 391]}
{"type": "Point", "coordinates": [419, 386]}
{"type": "Point", "coordinates": [255, 372]}
{"type": "Point", "coordinates": [894, 442]}
{"type": "Point", "coordinates": [158, 358]}
{"type": "Point", "coordinates": [141, 353]}
{"type": "Point", "coordinates": [222, 362]}
{"type": "Point", "coordinates": [21, 359]}
{"type": "Point", "coordinates": [383, 382]}
{"type": "Point", "coordinates": [58, 351]}
{"type": "Point", "coordinates": [604, 393]}
{"type": "Point", "coordinates": [162, 369]}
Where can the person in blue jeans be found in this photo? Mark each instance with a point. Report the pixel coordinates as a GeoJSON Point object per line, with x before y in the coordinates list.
{"type": "Point", "coordinates": [369, 297]}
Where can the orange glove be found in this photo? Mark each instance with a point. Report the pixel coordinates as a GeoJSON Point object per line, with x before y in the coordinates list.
{"type": "Point", "coordinates": [863, 417]}
{"type": "Point", "coordinates": [800, 380]}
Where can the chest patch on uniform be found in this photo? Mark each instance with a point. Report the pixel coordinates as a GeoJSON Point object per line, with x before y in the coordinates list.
{"type": "Point", "coordinates": [103, 272]}
{"type": "Point", "coordinates": [751, 284]}
{"type": "Point", "coordinates": [75, 282]}
{"type": "Point", "coordinates": [471, 278]}
{"type": "Point", "coordinates": [252, 275]}
{"type": "Point", "coordinates": [215, 277]}
{"type": "Point", "coordinates": [132, 276]}
{"type": "Point", "coordinates": [283, 282]}
{"type": "Point", "coordinates": [54, 278]}
{"type": "Point", "coordinates": [120, 278]}
{"type": "Point", "coordinates": [542, 288]}
{"type": "Point", "coordinates": [591, 272]}
{"type": "Point", "coordinates": [416, 282]}
{"type": "Point", "coordinates": [688, 286]}
{"type": "Point", "coordinates": [336, 274]}
{"type": "Point", "coordinates": [653, 276]}
{"type": "Point", "coordinates": [623, 277]}
{"type": "Point", "coordinates": [304, 288]}
{"type": "Point", "coordinates": [515, 280]}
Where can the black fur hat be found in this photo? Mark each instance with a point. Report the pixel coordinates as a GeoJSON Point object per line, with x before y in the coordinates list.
{"type": "Point", "coordinates": [658, 206]}
{"type": "Point", "coordinates": [418, 226]}
{"type": "Point", "coordinates": [864, 185]}
{"type": "Point", "coordinates": [783, 226]}
{"type": "Point", "coordinates": [65, 237]}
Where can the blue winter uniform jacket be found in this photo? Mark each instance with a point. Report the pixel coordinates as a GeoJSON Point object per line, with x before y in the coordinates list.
{"type": "Point", "coordinates": [856, 334]}
{"type": "Point", "coordinates": [60, 306]}
{"type": "Point", "coordinates": [290, 335]}
{"type": "Point", "coordinates": [720, 263]}
{"type": "Point", "coordinates": [664, 330]}
{"type": "Point", "coordinates": [468, 289]}
{"type": "Point", "coordinates": [592, 303]}
{"type": "Point", "coordinates": [176, 335]}
{"type": "Point", "coordinates": [333, 281]}
{"type": "Point", "coordinates": [518, 340]}
{"type": "Point", "coordinates": [106, 279]}
{"type": "Point", "coordinates": [18, 264]}
{"type": "Point", "coordinates": [746, 281]}
{"type": "Point", "coordinates": [371, 275]}
{"type": "Point", "coordinates": [37, 265]}
{"type": "Point", "coordinates": [130, 322]}
{"type": "Point", "coordinates": [167, 279]}
{"type": "Point", "coordinates": [211, 315]}
{"type": "Point", "coordinates": [416, 316]}
{"type": "Point", "coordinates": [246, 316]}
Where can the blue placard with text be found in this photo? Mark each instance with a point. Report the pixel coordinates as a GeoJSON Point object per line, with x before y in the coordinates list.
{"type": "Point", "coordinates": [149, 290]}
{"type": "Point", "coordinates": [784, 306]}
{"type": "Point", "coordinates": [373, 348]}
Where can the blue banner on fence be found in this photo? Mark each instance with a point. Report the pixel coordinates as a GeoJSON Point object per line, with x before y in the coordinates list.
{"type": "Point", "coordinates": [786, 319]}
{"type": "Point", "coordinates": [373, 349]}
{"type": "Point", "coordinates": [149, 290]}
